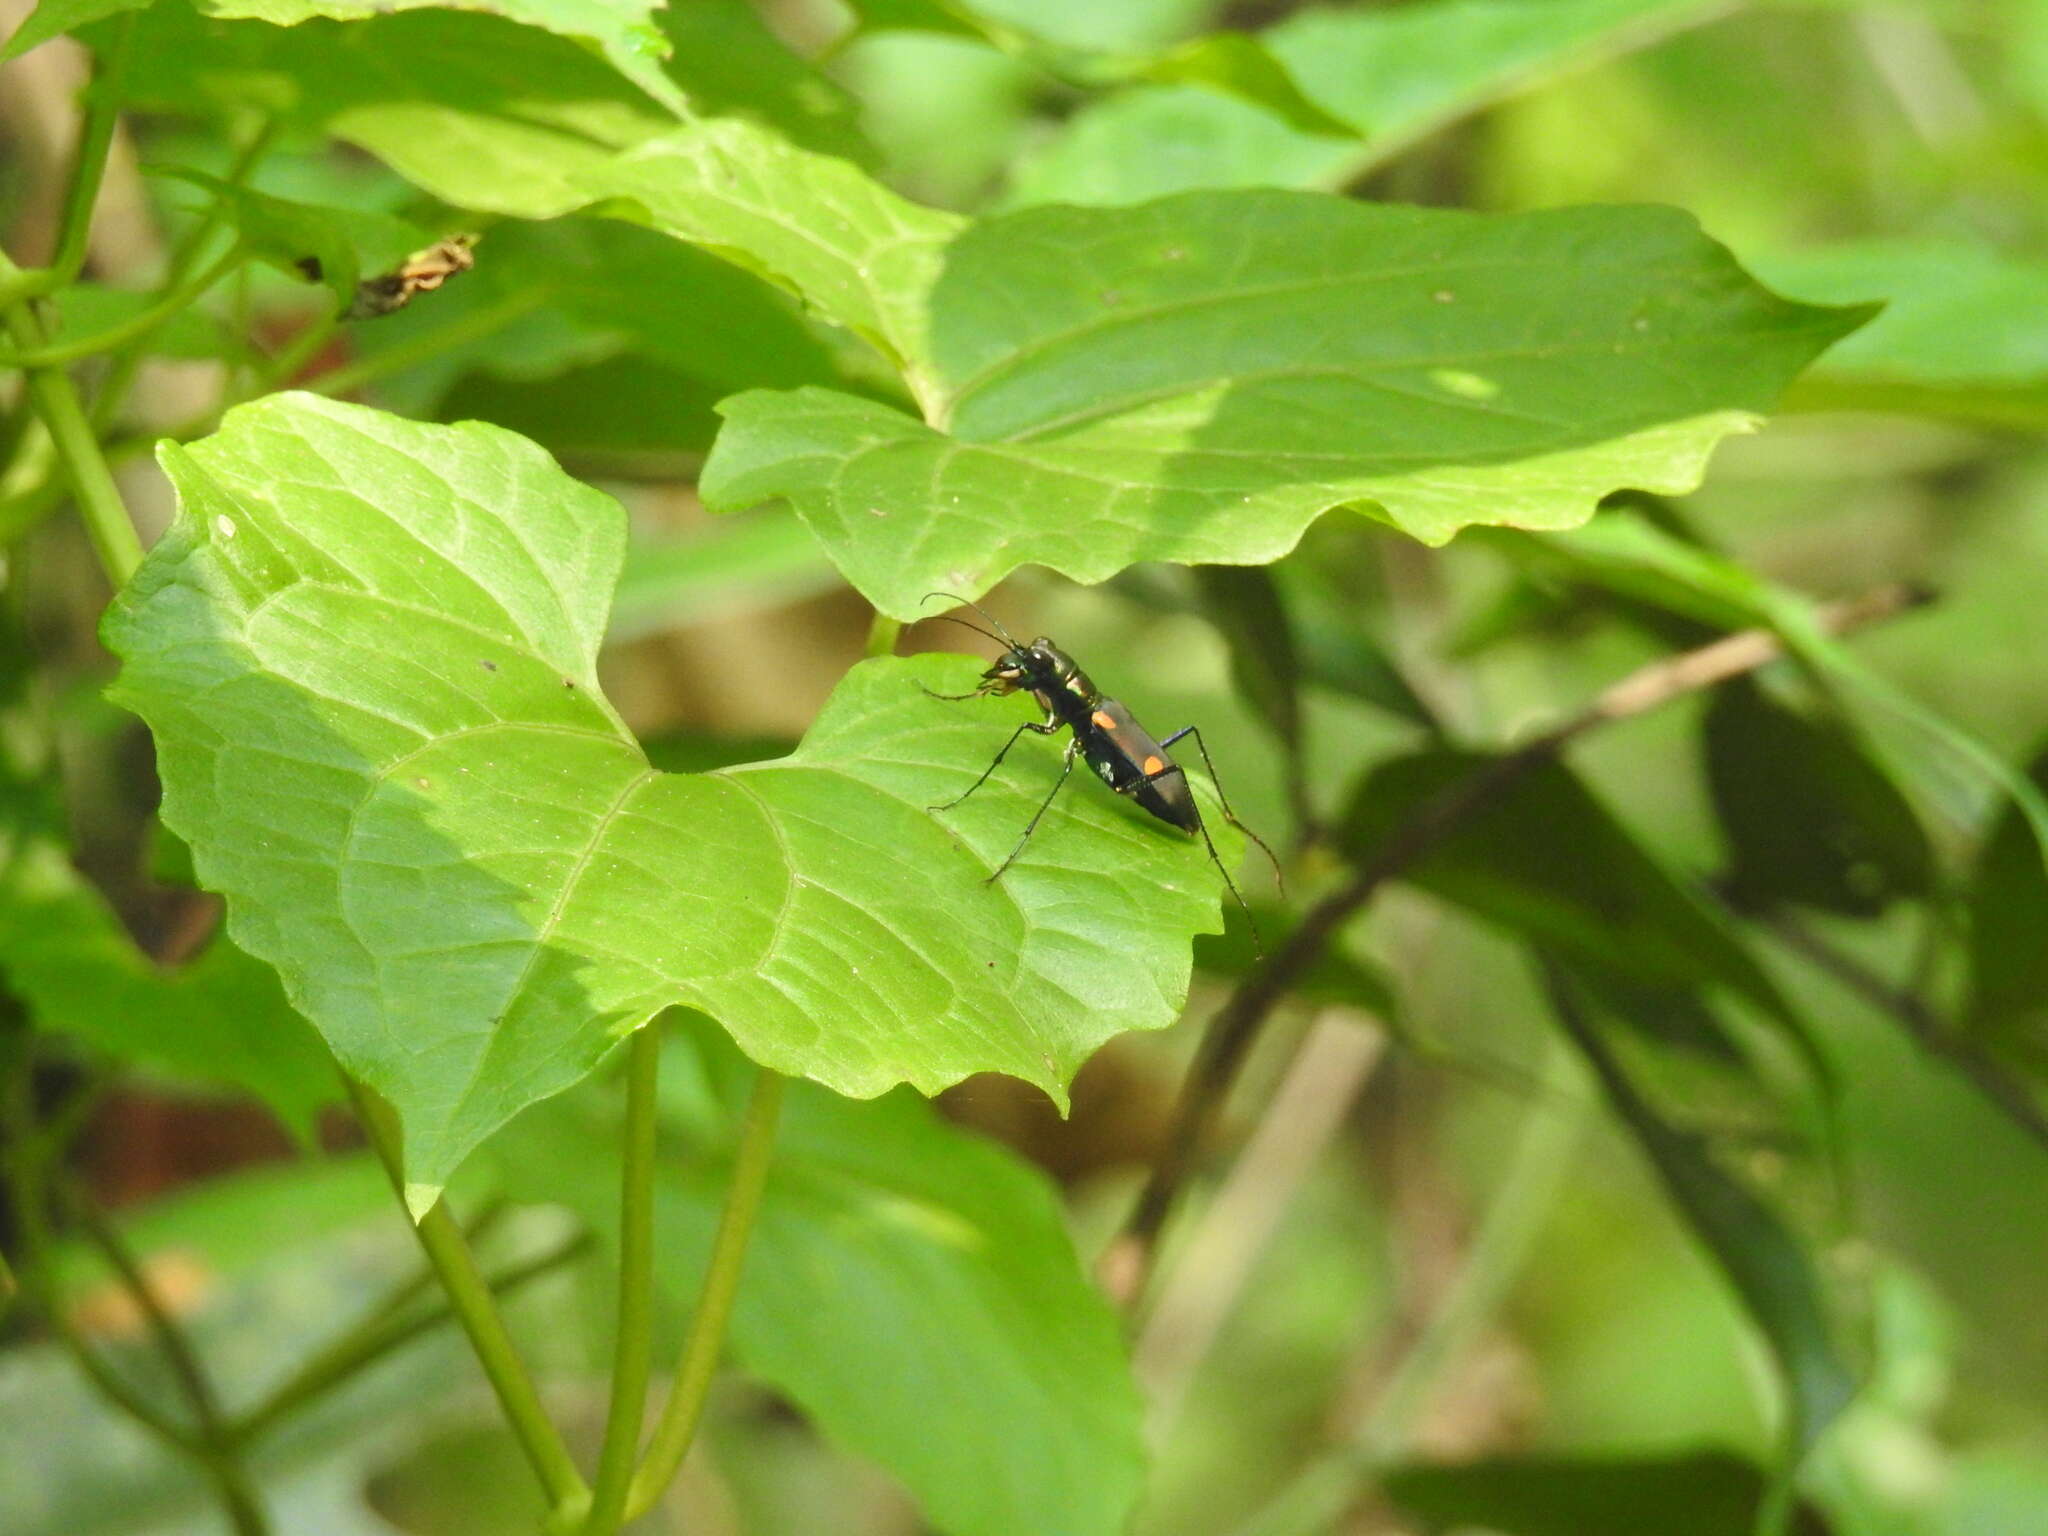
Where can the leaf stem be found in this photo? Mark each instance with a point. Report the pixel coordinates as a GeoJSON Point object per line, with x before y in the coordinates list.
{"type": "Point", "coordinates": [88, 170]}
{"type": "Point", "coordinates": [173, 302]}
{"type": "Point", "coordinates": [25, 1169]}
{"type": "Point", "coordinates": [469, 1294]}
{"type": "Point", "coordinates": [633, 1350]}
{"type": "Point", "coordinates": [678, 1426]}
{"type": "Point", "coordinates": [56, 402]}
{"type": "Point", "coordinates": [1939, 1037]}
{"type": "Point", "coordinates": [882, 635]}
{"type": "Point", "coordinates": [171, 1340]}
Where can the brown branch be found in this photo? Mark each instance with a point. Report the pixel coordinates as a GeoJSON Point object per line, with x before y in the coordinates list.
{"type": "Point", "coordinates": [1126, 1269]}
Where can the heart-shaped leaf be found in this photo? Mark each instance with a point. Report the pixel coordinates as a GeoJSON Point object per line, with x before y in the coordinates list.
{"type": "Point", "coordinates": [368, 650]}
{"type": "Point", "coordinates": [1198, 379]}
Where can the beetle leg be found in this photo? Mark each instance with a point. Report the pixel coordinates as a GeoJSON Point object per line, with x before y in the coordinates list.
{"type": "Point", "coordinates": [1073, 751]}
{"type": "Point", "coordinates": [1029, 725]}
{"type": "Point", "coordinates": [1222, 800]}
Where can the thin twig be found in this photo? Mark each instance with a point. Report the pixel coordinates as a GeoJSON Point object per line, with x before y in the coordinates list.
{"type": "Point", "coordinates": [171, 1341]}
{"type": "Point", "coordinates": [390, 1327]}
{"type": "Point", "coordinates": [1235, 1027]}
{"type": "Point", "coordinates": [1934, 1034]}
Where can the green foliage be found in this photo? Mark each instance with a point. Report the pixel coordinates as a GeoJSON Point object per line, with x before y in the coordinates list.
{"type": "Point", "coordinates": [221, 1019]}
{"type": "Point", "coordinates": [911, 1287]}
{"type": "Point", "coordinates": [1705, 1494]}
{"type": "Point", "coordinates": [374, 644]}
{"type": "Point", "coordinates": [1765, 1263]}
{"type": "Point", "coordinates": [1206, 281]}
{"type": "Point", "coordinates": [1809, 817]}
{"type": "Point", "coordinates": [1198, 379]}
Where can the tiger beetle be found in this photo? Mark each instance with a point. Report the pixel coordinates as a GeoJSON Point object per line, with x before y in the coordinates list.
{"type": "Point", "coordinates": [1121, 751]}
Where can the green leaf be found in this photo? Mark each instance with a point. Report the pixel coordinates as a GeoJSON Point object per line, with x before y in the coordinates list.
{"type": "Point", "coordinates": [344, 242]}
{"type": "Point", "coordinates": [88, 309]}
{"type": "Point", "coordinates": [367, 649]}
{"type": "Point", "coordinates": [1392, 75]}
{"type": "Point", "coordinates": [1700, 1493]}
{"type": "Point", "coordinates": [1769, 1270]}
{"type": "Point", "coordinates": [622, 30]}
{"type": "Point", "coordinates": [476, 110]}
{"type": "Point", "coordinates": [1548, 862]}
{"type": "Point", "coordinates": [911, 1287]}
{"type": "Point", "coordinates": [2008, 914]}
{"type": "Point", "coordinates": [1946, 764]}
{"type": "Point", "coordinates": [732, 64]}
{"type": "Point", "coordinates": [1238, 65]}
{"type": "Point", "coordinates": [1244, 603]}
{"type": "Point", "coordinates": [855, 252]}
{"type": "Point", "coordinates": [623, 342]}
{"type": "Point", "coordinates": [219, 1020]}
{"type": "Point", "coordinates": [1964, 330]}
{"type": "Point", "coordinates": [1197, 380]}
{"type": "Point", "coordinates": [1809, 816]}
{"type": "Point", "coordinates": [1235, 64]}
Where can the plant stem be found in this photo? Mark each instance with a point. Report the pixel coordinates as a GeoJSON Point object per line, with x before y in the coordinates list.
{"type": "Point", "coordinates": [882, 636]}
{"type": "Point", "coordinates": [23, 1166]}
{"type": "Point", "coordinates": [88, 170]}
{"type": "Point", "coordinates": [633, 1350]}
{"type": "Point", "coordinates": [1551, 1128]}
{"type": "Point", "coordinates": [174, 301]}
{"type": "Point", "coordinates": [385, 1330]}
{"type": "Point", "coordinates": [56, 402]}
{"type": "Point", "coordinates": [113, 391]}
{"type": "Point", "coordinates": [678, 1426]}
{"type": "Point", "coordinates": [470, 1297]}
{"type": "Point", "coordinates": [171, 1340]}
{"type": "Point", "coordinates": [1235, 1027]}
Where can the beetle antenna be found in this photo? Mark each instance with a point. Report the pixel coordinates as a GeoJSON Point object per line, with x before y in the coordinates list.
{"type": "Point", "coordinates": [947, 618]}
{"type": "Point", "coordinates": [1005, 636]}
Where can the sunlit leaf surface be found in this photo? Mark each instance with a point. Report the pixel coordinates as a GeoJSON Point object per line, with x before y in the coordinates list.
{"type": "Point", "coordinates": [368, 652]}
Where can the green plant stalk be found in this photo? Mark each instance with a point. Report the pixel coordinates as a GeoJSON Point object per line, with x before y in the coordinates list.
{"type": "Point", "coordinates": [388, 1328]}
{"type": "Point", "coordinates": [29, 1157]}
{"type": "Point", "coordinates": [699, 1362]}
{"type": "Point", "coordinates": [171, 1340]}
{"type": "Point", "coordinates": [470, 1296]}
{"type": "Point", "coordinates": [633, 1349]}
{"type": "Point", "coordinates": [88, 170]}
{"type": "Point", "coordinates": [1551, 1128]}
{"type": "Point", "coordinates": [113, 390]}
{"type": "Point", "coordinates": [56, 402]}
{"type": "Point", "coordinates": [882, 635]}
{"type": "Point", "coordinates": [174, 301]}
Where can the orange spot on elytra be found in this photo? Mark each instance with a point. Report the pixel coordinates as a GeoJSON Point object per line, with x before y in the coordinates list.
{"type": "Point", "coordinates": [1153, 766]}
{"type": "Point", "coordinates": [1103, 719]}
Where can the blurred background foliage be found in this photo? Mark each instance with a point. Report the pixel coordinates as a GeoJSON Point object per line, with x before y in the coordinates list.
{"type": "Point", "coordinates": [1600, 1376]}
